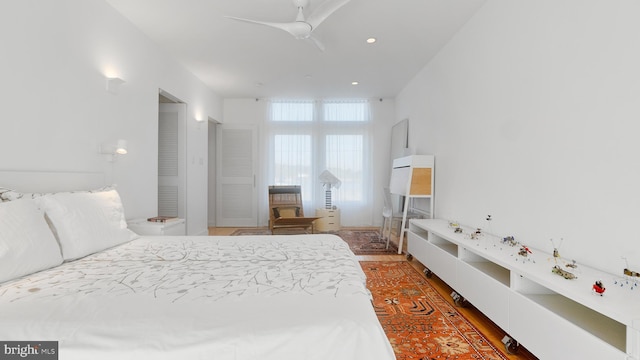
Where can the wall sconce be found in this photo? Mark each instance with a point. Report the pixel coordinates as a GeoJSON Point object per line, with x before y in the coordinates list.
{"type": "Point", "coordinates": [199, 120]}
{"type": "Point", "coordinates": [113, 84]}
{"type": "Point", "coordinates": [121, 147]}
{"type": "Point", "coordinates": [112, 151]}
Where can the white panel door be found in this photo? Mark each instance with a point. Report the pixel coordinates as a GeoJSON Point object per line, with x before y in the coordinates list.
{"type": "Point", "coordinates": [236, 192]}
{"type": "Point", "coordinates": [171, 160]}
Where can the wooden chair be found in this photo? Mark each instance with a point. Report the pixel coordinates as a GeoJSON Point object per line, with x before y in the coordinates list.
{"type": "Point", "coordinates": [285, 208]}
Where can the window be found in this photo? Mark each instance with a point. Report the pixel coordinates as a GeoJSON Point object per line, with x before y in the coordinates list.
{"type": "Point", "coordinates": [292, 160]}
{"type": "Point", "coordinates": [292, 111]}
{"type": "Point", "coordinates": [345, 111]}
{"type": "Point", "coordinates": [307, 137]}
{"type": "Point", "coordinates": [345, 159]}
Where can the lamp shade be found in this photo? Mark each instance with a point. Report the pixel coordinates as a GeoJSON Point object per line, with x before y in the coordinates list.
{"type": "Point", "coordinates": [329, 180]}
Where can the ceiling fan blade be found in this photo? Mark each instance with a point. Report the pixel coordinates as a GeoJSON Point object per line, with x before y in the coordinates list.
{"type": "Point", "coordinates": [316, 43]}
{"type": "Point", "coordinates": [281, 26]}
{"type": "Point", "coordinates": [322, 12]}
{"type": "Point", "coordinates": [299, 30]}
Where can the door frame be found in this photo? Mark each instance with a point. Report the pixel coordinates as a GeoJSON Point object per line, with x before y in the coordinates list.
{"type": "Point", "coordinates": [181, 109]}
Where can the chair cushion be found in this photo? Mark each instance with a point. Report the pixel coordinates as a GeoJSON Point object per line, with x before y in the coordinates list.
{"type": "Point", "coordinates": [286, 211]}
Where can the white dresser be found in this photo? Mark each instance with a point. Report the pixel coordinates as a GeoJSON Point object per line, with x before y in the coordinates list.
{"type": "Point", "coordinates": [553, 317]}
{"type": "Point", "coordinates": [144, 227]}
{"type": "Point", "coordinates": [329, 220]}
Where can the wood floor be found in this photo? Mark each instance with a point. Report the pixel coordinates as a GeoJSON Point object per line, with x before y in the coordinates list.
{"type": "Point", "coordinates": [492, 332]}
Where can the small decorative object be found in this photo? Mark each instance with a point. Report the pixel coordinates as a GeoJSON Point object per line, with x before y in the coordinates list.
{"type": "Point", "coordinates": [556, 253]}
{"type": "Point", "coordinates": [476, 234]}
{"type": "Point", "coordinates": [524, 251]}
{"type": "Point", "coordinates": [556, 256]}
{"type": "Point", "coordinates": [631, 273]}
{"type": "Point", "coordinates": [598, 288]}
{"type": "Point", "coordinates": [455, 226]}
{"type": "Point", "coordinates": [628, 272]}
{"type": "Point", "coordinates": [564, 273]}
{"type": "Point", "coordinates": [509, 240]}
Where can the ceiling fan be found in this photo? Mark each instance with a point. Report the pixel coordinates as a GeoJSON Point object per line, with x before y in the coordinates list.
{"type": "Point", "coordinates": [302, 27]}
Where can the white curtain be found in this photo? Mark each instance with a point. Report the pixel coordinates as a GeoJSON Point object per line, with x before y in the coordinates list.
{"type": "Point", "coordinates": [305, 137]}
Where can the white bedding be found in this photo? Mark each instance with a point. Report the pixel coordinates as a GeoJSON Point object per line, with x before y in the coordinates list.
{"type": "Point", "coordinates": [276, 297]}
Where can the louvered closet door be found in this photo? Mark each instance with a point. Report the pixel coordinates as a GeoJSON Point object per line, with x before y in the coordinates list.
{"type": "Point", "coordinates": [171, 160]}
{"type": "Point", "coordinates": [237, 200]}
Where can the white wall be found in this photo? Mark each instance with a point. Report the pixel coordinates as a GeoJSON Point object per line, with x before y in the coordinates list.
{"type": "Point", "coordinates": [55, 55]}
{"type": "Point", "coordinates": [382, 113]}
{"type": "Point", "coordinates": [532, 112]}
{"type": "Point", "coordinates": [254, 112]}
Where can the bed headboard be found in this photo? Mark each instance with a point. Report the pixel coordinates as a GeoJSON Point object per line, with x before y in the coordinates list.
{"type": "Point", "coordinates": [50, 181]}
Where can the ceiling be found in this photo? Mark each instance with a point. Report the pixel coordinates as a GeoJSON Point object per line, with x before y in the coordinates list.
{"type": "Point", "coordinates": [239, 60]}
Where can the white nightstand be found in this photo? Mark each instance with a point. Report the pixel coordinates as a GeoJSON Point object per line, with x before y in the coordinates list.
{"type": "Point", "coordinates": [144, 227]}
{"type": "Point", "coordinates": [329, 220]}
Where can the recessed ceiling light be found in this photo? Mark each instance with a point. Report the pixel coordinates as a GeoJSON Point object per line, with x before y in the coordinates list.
{"type": "Point", "coordinates": [371, 40]}
{"type": "Point", "coordinates": [354, 83]}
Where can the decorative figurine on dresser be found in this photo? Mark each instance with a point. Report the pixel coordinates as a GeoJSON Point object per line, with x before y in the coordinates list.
{"type": "Point", "coordinates": [598, 288]}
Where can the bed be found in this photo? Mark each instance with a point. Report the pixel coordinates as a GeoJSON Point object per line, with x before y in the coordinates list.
{"type": "Point", "coordinates": [82, 279]}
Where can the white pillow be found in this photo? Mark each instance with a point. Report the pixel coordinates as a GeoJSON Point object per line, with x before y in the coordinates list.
{"type": "Point", "coordinates": [12, 195]}
{"type": "Point", "coordinates": [86, 222]}
{"type": "Point", "coordinates": [27, 244]}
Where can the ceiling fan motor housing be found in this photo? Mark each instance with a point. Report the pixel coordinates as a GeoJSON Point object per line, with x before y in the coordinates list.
{"type": "Point", "coordinates": [300, 30]}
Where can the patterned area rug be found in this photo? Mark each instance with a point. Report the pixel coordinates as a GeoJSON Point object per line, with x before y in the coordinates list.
{"type": "Point", "coordinates": [418, 321]}
{"type": "Point", "coordinates": [361, 242]}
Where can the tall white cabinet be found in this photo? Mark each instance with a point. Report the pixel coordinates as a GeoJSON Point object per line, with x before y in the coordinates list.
{"type": "Point", "coordinates": [412, 177]}
{"type": "Point", "coordinates": [553, 317]}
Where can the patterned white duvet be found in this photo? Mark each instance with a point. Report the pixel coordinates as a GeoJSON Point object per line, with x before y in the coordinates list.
{"type": "Point", "coordinates": [275, 297]}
